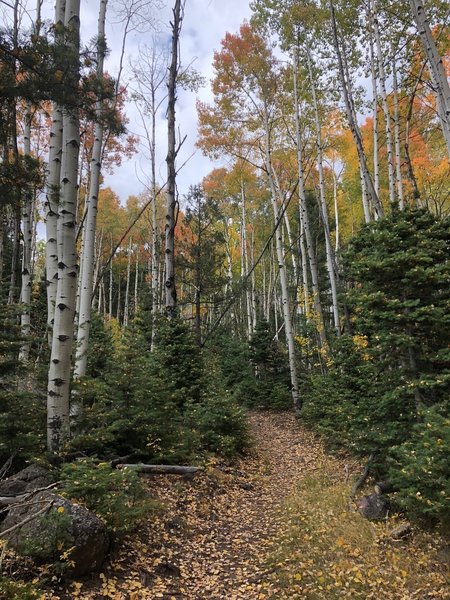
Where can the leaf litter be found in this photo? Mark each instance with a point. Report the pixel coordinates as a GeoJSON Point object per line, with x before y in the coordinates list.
{"type": "Point", "coordinates": [241, 531]}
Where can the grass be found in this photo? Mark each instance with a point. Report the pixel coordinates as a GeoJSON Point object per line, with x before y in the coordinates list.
{"type": "Point", "coordinates": [329, 551]}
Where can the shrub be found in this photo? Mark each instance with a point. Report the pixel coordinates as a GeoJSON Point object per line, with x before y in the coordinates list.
{"type": "Point", "coordinates": [54, 544]}
{"type": "Point", "coordinates": [221, 424]}
{"type": "Point", "coordinates": [115, 496]}
{"type": "Point", "coordinates": [420, 469]}
{"type": "Point", "coordinates": [18, 590]}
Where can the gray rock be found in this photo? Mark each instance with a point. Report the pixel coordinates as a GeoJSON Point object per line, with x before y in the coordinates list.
{"type": "Point", "coordinates": [374, 507]}
{"type": "Point", "coordinates": [79, 529]}
{"type": "Point", "coordinates": [31, 478]}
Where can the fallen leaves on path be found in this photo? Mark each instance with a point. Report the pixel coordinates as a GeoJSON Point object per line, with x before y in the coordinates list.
{"type": "Point", "coordinates": [274, 525]}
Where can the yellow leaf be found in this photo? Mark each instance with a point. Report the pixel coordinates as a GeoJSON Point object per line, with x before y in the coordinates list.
{"type": "Point", "coordinates": [60, 509]}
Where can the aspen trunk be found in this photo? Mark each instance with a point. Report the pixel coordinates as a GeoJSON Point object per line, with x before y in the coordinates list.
{"type": "Point", "coordinates": [170, 289]}
{"type": "Point", "coordinates": [398, 169]}
{"type": "Point", "coordinates": [126, 309]}
{"type": "Point", "coordinates": [282, 270]}
{"type": "Point", "coordinates": [88, 247]}
{"type": "Point", "coordinates": [331, 259]}
{"type": "Point", "coordinates": [136, 283]}
{"type": "Point", "coordinates": [244, 261]}
{"type": "Point", "coordinates": [304, 217]}
{"type": "Point", "coordinates": [373, 73]}
{"type": "Point", "coordinates": [60, 360]}
{"type": "Point", "coordinates": [53, 192]}
{"type": "Point", "coordinates": [387, 116]}
{"type": "Point", "coordinates": [27, 235]}
{"type": "Point", "coordinates": [437, 70]}
{"type": "Point", "coordinates": [351, 116]}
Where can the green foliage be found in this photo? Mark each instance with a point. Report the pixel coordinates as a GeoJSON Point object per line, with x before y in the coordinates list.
{"type": "Point", "coordinates": [270, 387]}
{"type": "Point", "coordinates": [219, 420]}
{"type": "Point", "coordinates": [387, 385]}
{"type": "Point", "coordinates": [115, 496]}
{"type": "Point", "coordinates": [18, 590]}
{"type": "Point", "coordinates": [158, 406]}
{"type": "Point", "coordinates": [56, 540]}
{"type": "Point", "coordinates": [22, 413]}
{"type": "Point", "coordinates": [420, 469]}
{"type": "Point", "coordinates": [352, 406]}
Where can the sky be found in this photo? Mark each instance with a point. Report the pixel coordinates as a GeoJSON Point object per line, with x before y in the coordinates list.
{"type": "Point", "coordinates": [205, 24]}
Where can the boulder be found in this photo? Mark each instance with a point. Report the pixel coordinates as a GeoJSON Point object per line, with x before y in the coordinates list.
{"type": "Point", "coordinates": [374, 507]}
{"type": "Point", "coordinates": [31, 478]}
{"type": "Point", "coordinates": [63, 525]}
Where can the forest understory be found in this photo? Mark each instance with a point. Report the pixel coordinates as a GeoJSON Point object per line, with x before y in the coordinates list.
{"type": "Point", "coordinates": [277, 523]}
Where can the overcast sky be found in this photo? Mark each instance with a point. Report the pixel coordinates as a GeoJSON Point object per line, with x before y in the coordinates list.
{"type": "Point", "coordinates": [205, 24]}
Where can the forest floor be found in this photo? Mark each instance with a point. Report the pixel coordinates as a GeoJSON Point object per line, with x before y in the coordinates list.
{"type": "Point", "coordinates": [277, 524]}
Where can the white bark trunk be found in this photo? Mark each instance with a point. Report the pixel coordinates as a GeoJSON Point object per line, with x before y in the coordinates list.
{"type": "Point", "coordinates": [53, 192]}
{"type": "Point", "coordinates": [304, 217]}
{"type": "Point", "coordinates": [88, 246]}
{"type": "Point", "coordinates": [27, 236]}
{"type": "Point", "coordinates": [60, 359]}
{"type": "Point", "coordinates": [282, 271]}
{"type": "Point", "coordinates": [351, 117]}
{"type": "Point", "coordinates": [398, 164]}
{"type": "Point", "coordinates": [244, 262]}
{"type": "Point", "coordinates": [126, 309]}
{"type": "Point", "coordinates": [384, 101]}
{"type": "Point", "coordinates": [436, 66]}
{"type": "Point", "coordinates": [373, 72]}
{"type": "Point", "coordinates": [331, 259]}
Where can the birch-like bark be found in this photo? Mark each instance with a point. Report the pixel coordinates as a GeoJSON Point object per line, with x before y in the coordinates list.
{"type": "Point", "coordinates": [351, 116]}
{"type": "Point", "coordinates": [384, 102]}
{"type": "Point", "coordinates": [365, 200]}
{"type": "Point", "coordinates": [126, 308]}
{"type": "Point", "coordinates": [436, 67]}
{"type": "Point", "coordinates": [304, 259]}
{"type": "Point", "coordinates": [331, 259]}
{"type": "Point", "coordinates": [90, 221]}
{"type": "Point", "coordinates": [60, 360]}
{"type": "Point", "coordinates": [373, 73]}
{"type": "Point", "coordinates": [282, 270]}
{"type": "Point", "coordinates": [136, 283]}
{"type": "Point", "coordinates": [304, 216]}
{"type": "Point", "coordinates": [244, 261]}
{"type": "Point", "coordinates": [53, 190]}
{"type": "Point", "coordinates": [398, 165]}
{"type": "Point", "coordinates": [110, 297]}
{"type": "Point", "coordinates": [171, 202]}
{"type": "Point", "coordinates": [27, 236]}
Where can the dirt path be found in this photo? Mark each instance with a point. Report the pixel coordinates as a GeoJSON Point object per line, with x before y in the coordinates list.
{"type": "Point", "coordinates": [214, 536]}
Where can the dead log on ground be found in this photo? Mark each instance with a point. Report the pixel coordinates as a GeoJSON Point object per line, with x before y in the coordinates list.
{"type": "Point", "coordinates": [162, 469]}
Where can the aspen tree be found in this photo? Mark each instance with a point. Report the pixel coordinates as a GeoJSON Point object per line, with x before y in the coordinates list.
{"type": "Point", "coordinates": [61, 351]}
{"type": "Point", "coordinates": [331, 260]}
{"type": "Point", "coordinates": [171, 203]}
{"type": "Point", "coordinates": [351, 115]}
{"type": "Point", "coordinates": [53, 188]}
{"type": "Point", "coordinates": [304, 215]}
{"type": "Point", "coordinates": [384, 102]}
{"type": "Point", "coordinates": [28, 222]}
{"type": "Point", "coordinates": [438, 75]}
{"type": "Point", "coordinates": [88, 246]}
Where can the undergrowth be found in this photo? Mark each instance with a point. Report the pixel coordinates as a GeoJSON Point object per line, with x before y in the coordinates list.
{"type": "Point", "coordinates": [329, 551]}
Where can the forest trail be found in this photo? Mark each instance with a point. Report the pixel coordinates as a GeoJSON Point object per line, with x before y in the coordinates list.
{"type": "Point", "coordinates": [213, 538]}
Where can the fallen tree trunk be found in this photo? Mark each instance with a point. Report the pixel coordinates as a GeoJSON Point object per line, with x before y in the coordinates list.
{"type": "Point", "coordinates": [161, 469]}
{"type": "Point", "coordinates": [7, 500]}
